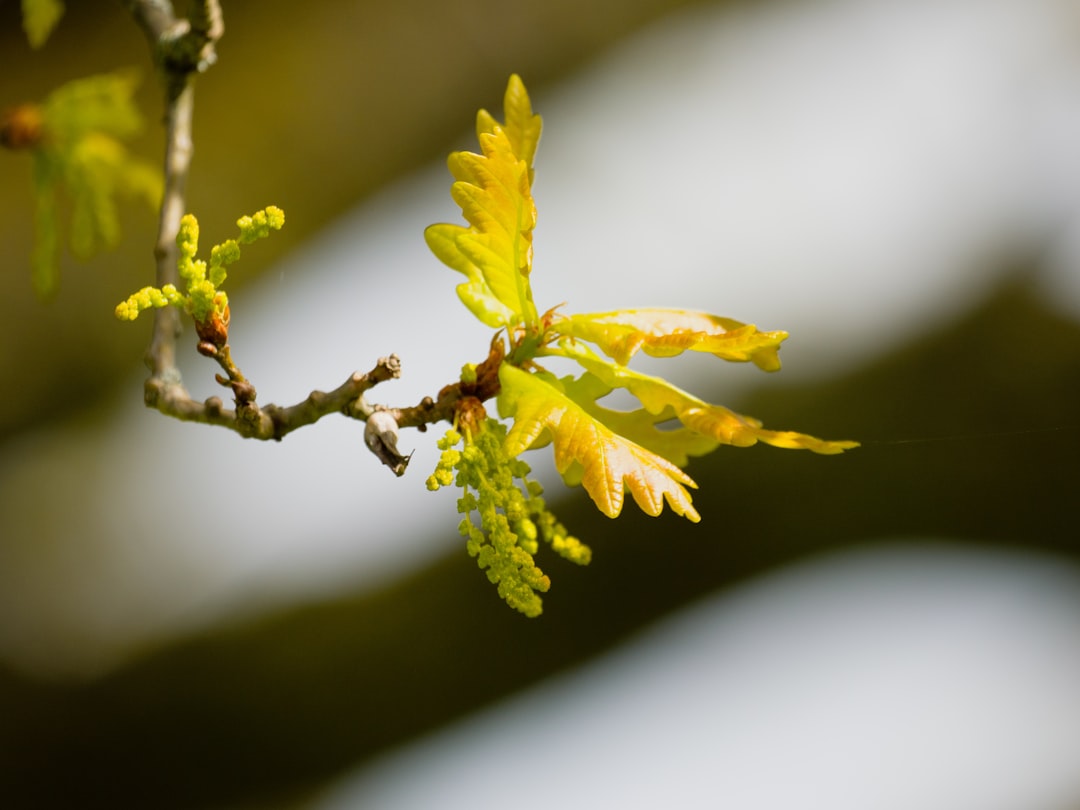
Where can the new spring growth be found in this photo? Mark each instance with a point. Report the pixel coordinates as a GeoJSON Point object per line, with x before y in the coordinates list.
{"type": "Point", "coordinates": [611, 454]}
{"type": "Point", "coordinates": [202, 296]}
{"type": "Point", "coordinates": [510, 510]}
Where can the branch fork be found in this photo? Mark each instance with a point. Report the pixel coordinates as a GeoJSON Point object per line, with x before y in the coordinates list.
{"type": "Point", "coordinates": [183, 48]}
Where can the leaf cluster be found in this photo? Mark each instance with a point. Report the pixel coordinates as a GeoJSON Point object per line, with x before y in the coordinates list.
{"type": "Point", "coordinates": [607, 452]}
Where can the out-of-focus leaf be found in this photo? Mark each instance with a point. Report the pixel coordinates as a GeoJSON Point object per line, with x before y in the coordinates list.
{"type": "Point", "coordinates": [97, 171]}
{"type": "Point", "coordinates": [588, 452]}
{"type": "Point", "coordinates": [668, 332]}
{"type": "Point", "coordinates": [102, 103]}
{"type": "Point", "coordinates": [43, 261]}
{"type": "Point", "coordinates": [39, 18]}
{"type": "Point", "coordinates": [80, 154]}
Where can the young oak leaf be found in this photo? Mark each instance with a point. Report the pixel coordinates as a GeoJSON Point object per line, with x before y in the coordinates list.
{"type": "Point", "coordinates": [715, 422]}
{"type": "Point", "coordinates": [677, 445]}
{"type": "Point", "coordinates": [668, 332]}
{"type": "Point", "coordinates": [493, 190]}
{"type": "Point", "coordinates": [475, 293]}
{"type": "Point", "coordinates": [728, 427]}
{"type": "Point", "coordinates": [522, 125]}
{"type": "Point", "coordinates": [606, 451]}
{"type": "Point", "coordinates": [605, 463]}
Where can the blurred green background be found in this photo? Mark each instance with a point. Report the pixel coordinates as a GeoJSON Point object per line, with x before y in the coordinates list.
{"type": "Point", "coordinates": [315, 107]}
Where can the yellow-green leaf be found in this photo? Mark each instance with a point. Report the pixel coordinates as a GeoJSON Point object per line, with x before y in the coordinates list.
{"type": "Point", "coordinates": [668, 332]}
{"type": "Point", "coordinates": [728, 427]}
{"type": "Point", "coordinates": [40, 18]}
{"type": "Point", "coordinates": [676, 444]}
{"type": "Point", "coordinates": [103, 103]}
{"type": "Point", "coordinates": [475, 293]}
{"type": "Point", "coordinates": [522, 126]}
{"type": "Point", "coordinates": [45, 257]}
{"type": "Point", "coordinates": [588, 452]}
{"type": "Point", "coordinates": [493, 189]}
{"type": "Point", "coordinates": [715, 422]}
{"type": "Point", "coordinates": [80, 152]}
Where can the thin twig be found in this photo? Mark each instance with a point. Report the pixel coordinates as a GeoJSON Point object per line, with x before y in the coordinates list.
{"type": "Point", "coordinates": [182, 48]}
{"type": "Point", "coordinates": [162, 354]}
{"type": "Point", "coordinates": [272, 421]}
{"type": "Point", "coordinates": [180, 51]}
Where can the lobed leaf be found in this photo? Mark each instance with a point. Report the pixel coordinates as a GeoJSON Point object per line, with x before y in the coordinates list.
{"type": "Point", "coordinates": [80, 152]}
{"type": "Point", "coordinates": [587, 451]}
{"type": "Point", "coordinates": [607, 451]}
{"type": "Point", "coordinates": [663, 400]}
{"type": "Point", "coordinates": [493, 189]}
{"type": "Point", "coordinates": [475, 293]}
{"type": "Point", "coordinates": [522, 126]}
{"type": "Point", "coordinates": [728, 427]}
{"type": "Point", "coordinates": [103, 103]}
{"type": "Point", "coordinates": [652, 431]}
{"type": "Point", "coordinates": [668, 332]}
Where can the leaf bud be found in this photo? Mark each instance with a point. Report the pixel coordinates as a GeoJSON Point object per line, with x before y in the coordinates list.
{"type": "Point", "coordinates": [21, 127]}
{"type": "Point", "coordinates": [215, 329]}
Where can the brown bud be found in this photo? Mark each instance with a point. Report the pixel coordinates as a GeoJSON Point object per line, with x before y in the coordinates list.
{"type": "Point", "coordinates": [470, 414]}
{"type": "Point", "coordinates": [215, 329]}
{"type": "Point", "coordinates": [21, 127]}
{"type": "Point", "coordinates": [487, 373]}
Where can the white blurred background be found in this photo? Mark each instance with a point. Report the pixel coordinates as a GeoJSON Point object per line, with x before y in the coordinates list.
{"type": "Point", "coordinates": [904, 677]}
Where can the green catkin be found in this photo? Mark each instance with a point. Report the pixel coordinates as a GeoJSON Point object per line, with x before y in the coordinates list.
{"type": "Point", "coordinates": [511, 512]}
{"type": "Point", "coordinates": [202, 295]}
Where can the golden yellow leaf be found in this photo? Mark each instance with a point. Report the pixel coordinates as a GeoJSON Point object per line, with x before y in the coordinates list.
{"type": "Point", "coordinates": [522, 126]}
{"type": "Point", "coordinates": [652, 431]}
{"type": "Point", "coordinates": [659, 397]}
{"type": "Point", "coordinates": [493, 190]}
{"type": "Point", "coordinates": [728, 427]}
{"type": "Point", "coordinates": [668, 332]}
{"type": "Point", "coordinates": [588, 452]}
